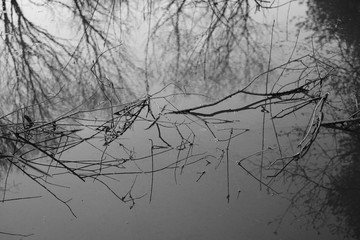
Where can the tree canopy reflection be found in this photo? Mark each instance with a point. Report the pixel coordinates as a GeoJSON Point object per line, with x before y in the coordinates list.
{"type": "Point", "coordinates": [330, 183]}
{"type": "Point", "coordinates": [39, 67]}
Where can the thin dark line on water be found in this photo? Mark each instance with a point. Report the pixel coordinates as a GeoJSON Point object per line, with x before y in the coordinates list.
{"type": "Point", "coordinates": [16, 234]}
{"type": "Point", "coordinates": [227, 167]}
{"type": "Point", "coordinates": [152, 170]}
{"type": "Point", "coordinates": [264, 109]}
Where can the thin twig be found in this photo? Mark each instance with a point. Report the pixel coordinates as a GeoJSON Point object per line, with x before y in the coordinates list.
{"type": "Point", "coordinates": [152, 170]}
{"type": "Point", "coordinates": [227, 167]}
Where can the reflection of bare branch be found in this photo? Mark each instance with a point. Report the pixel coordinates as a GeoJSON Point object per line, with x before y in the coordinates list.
{"type": "Point", "coordinates": [349, 125]}
{"type": "Point", "coordinates": [20, 198]}
{"type": "Point", "coordinates": [227, 167]}
{"type": "Point", "coordinates": [47, 189]}
{"type": "Point", "coordinates": [310, 134]}
{"type": "Point", "coordinates": [152, 170]}
{"type": "Point", "coordinates": [49, 155]}
{"type": "Point", "coordinates": [16, 234]}
{"type": "Point", "coordinates": [252, 175]}
{"type": "Point", "coordinates": [253, 105]}
{"type": "Point", "coordinates": [201, 174]}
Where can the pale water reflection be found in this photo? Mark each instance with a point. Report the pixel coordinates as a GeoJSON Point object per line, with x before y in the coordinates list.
{"type": "Point", "coordinates": [225, 125]}
{"type": "Point", "coordinates": [188, 209]}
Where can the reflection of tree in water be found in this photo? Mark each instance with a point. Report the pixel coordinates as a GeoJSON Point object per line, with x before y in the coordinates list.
{"type": "Point", "coordinates": [337, 22]}
{"type": "Point", "coordinates": [324, 182]}
{"type": "Point", "coordinates": [208, 60]}
{"type": "Point", "coordinates": [40, 69]}
{"type": "Point", "coordinates": [212, 47]}
{"type": "Point", "coordinates": [345, 196]}
{"type": "Point", "coordinates": [334, 20]}
{"type": "Point", "coordinates": [205, 45]}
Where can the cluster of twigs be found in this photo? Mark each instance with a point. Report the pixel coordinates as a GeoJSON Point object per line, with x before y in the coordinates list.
{"type": "Point", "coordinates": [35, 143]}
{"type": "Point", "coordinates": [36, 147]}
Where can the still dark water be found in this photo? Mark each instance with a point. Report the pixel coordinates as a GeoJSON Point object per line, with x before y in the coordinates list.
{"type": "Point", "coordinates": [243, 168]}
